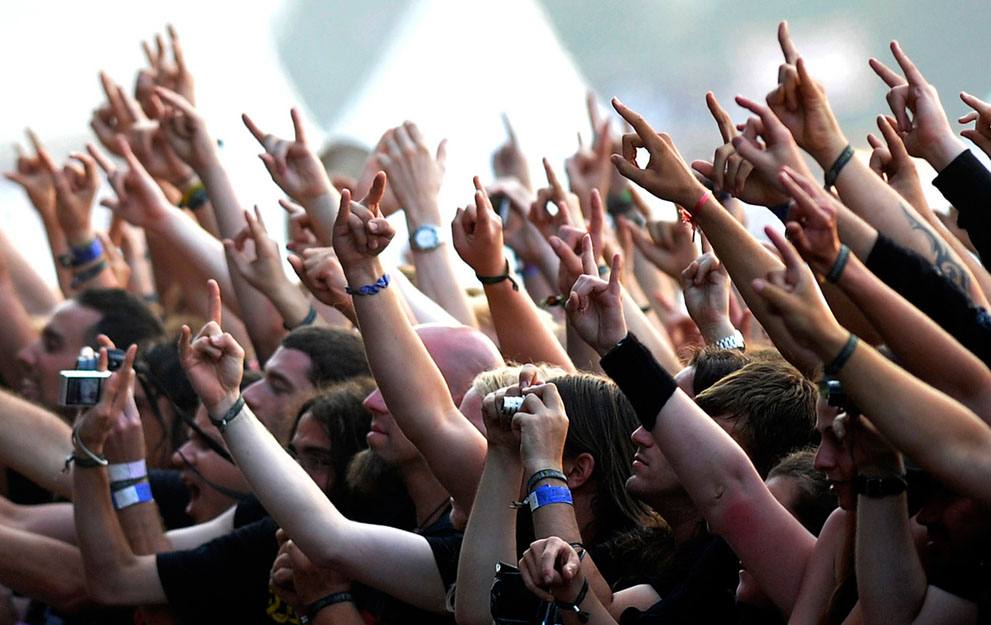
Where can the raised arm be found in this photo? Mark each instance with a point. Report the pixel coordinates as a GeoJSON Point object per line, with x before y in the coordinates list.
{"type": "Point", "coordinates": [953, 446]}
{"type": "Point", "coordinates": [803, 108]}
{"type": "Point", "coordinates": [415, 175]}
{"type": "Point", "coordinates": [711, 466]}
{"type": "Point", "coordinates": [411, 384]}
{"type": "Point", "coordinates": [920, 346]}
{"type": "Point", "coordinates": [668, 177]}
{"type": "Point", "coordinates": [370, 554]}
{"type": "Point", "coordinates": [523, 335]}
{"type": "Point", "coordinates": [186, 131]}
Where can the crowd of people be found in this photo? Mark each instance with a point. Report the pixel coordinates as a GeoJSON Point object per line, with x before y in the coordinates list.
{"type": "Point", "coordinates": [631, 418]}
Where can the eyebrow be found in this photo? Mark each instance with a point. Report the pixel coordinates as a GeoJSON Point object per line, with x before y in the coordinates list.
{"type": "Point", "coordinates": [278, 377]}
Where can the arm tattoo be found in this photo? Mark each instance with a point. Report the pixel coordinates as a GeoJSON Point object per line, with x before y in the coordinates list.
{"type": "Point", "coordinates": [943, 258]}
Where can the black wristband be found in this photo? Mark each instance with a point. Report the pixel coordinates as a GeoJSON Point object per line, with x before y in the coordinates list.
{"type": "Point", "coordinates": [81, 277]}
{"type": "Point", "coordinates": [545, 474]}
{"type": "Point", "coordinates": [230, 415]}
{"type": "Point", "coordinates": [573, 606]}
{"type": "Point", "coordinates": [637, 373]}
{"type": "Point", "coordinates": [837, 363]}
{"type": "Point", "coordinates": [498, 279]}
{"type": "Point", "coordinates": [838, 164]}
{"type": "Point", "coordinates": [839, 264]}
{"type": "Point", "coordinates": [312, 609]}
{"type": "Point", "coordinates": [307, 320]}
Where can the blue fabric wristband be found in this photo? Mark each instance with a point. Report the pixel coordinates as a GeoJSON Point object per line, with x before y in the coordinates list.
{"type": "Point", "coordinates": [546, 494]}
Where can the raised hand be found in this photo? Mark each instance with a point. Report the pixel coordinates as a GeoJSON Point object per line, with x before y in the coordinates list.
{"type": "Point", "coordinates": [118, 116]}
{"type": "Point", "coordinates": [33, 174]}
{"type": "Point", "coordinates": [186, 131]}
{"type": "Point", "coordinates": [388, 204]}
{"type": "Point", "coordinates": [75, 191]}
{"type": "Point", "coordinates": [793, 295]}
{"type": "Point", "coordinates": [589, 168]}
{"type": "Point", "coordinates": [729, 171]}
{"type": "Point", "coordinates": [164, 72]}
{"type": "Point", "coordinates": [927, 134]}
{"type": "Point", "coordinates": [360, 230]}
{"type": "Point", "coordinates": [321, 273]}
{"type": "Point", "coordinates": [508, 160]}
{"type": "Point", "coordinates": [666, 175]}
{"type": "Point", "coordinates": [778, 150]}
{"type": "Point", "coordinates": [554, 194]}
{"type": "Point", "coordinates": [264, 270]}
{"type": "Point", "coordinates": [297, 580]}
{"type": "Point", "coordinates": [125, 442]}
{"type": "Point", "coordinates": [94, 423]}
{"type": "Point", "coordinates": [140, 202]}
{"type": "Point", "coordinates": [477, 235]}
{"type": "Point", "coordinates": [891, 161]}
{"type": "Point", "coordinates": [518, 231]}
{"type": "Point", "coordinates": [980, 134]}
{"type": "Point", "coordinates": [415, 174]}
{"type": "Point", "coordinates": [292, 164]}
{"type": "Point", "coordinates": [301, 234]}
{"type": "Point", "coordinates": [801, 105]}
{"type": "Point", "coordinates": [213, 360]}
{"type": "Point", "coordinates": [668, 245]}
{"type": "Point", "coordinates": [543, 426]}
{"type": "Point", "coordinates": [706, 285]}
{"type": "Point", "coordinates": [812, 221]}
{"type": "Point", "coordinates": [550, 563]}
{"type": "Point", "coordinates": [595, 306]}
{"type": "Point", "coordinates": [499, 430]}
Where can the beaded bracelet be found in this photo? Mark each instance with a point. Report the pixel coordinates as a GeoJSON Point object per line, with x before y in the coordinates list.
{"type": "Point", "coordinates": [369, 289]}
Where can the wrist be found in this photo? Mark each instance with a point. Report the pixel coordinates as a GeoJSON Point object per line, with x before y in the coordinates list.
{"type": "Point", "coordinates": [219, 409]}
{"type": "Point", "coordinates": [831, 342]}
{"type": "Point", "coordinates": [831, 150]}
{"type": "Point", "coordinates": [364, 272]}
{"type": "Point", "coordinates": [717, 330]}
{"type": "Point", "coordinates": [941, 152]}
{"type": "Point", "coordinates": [533, 465]}
{"type": "Point", "coordinates": [422, 213]}
{"type": "Point", "coordinates": [80, 238]}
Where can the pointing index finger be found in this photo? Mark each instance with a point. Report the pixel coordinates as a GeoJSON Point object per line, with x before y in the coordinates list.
{"type": "Point", "coordinates": [787, 47]}
{"type": "Point", "coordinates": [255, 130]}
{"type": "Point", "coordinates": [726, 128]}
{"type": "Point", "coordinates": [215, 305]}
{"type": "Point", "coordinates": [888, 75]}
{"type": "Point", "coordinates": [912, 73]}
{"type": "Point", "coordinates": [552, 178]}
{"type": "Point", "coordinates": [509, 130]}
{"type": "Point", "coordinates": [788, 253]}
{"type": "Point", "coordinates": [297, 124]}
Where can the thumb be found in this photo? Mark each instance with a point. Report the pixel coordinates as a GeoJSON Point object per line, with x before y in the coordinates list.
{"type": "Point", "coordinates": [777, 297]}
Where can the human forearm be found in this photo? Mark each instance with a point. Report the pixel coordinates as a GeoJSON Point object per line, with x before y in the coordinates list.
{"type": "Point", "coordinates": [523, 336]}
{"type": "Point", "coordinates": [414, 388]}
{"type": "Point", "coordinates": [435, 276]}
{"type": "Point", "coordinates": [27, 568]}
{"type": "Point", "coordinates": [657, 341]}
{"type": "Point", "coordinates": [37, 297]}
{"type": "Point", "coordinates": [18, 332]}
{"type": "Point", "coordinates": [891, 582]}
{"type": "Point", "coordinates": [35, 443]}
{"type": "Point", "coordinates": [881, 206]}
{"type": "Point", "coordinates": [920, 346]}
{"type": "Point", "coordinates": [490, 536]}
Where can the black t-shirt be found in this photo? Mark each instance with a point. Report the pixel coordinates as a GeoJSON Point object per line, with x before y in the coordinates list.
{"type": "Point", "coordinates": [226, 579]}
{"type": "Point", "coordinates": [698, 587]}
{"type": "Point", "coordinates": [381, 609]}
{"type": "Point", "coordinates": [171, 497]}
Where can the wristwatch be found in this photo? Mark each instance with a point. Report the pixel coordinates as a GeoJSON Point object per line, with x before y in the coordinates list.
{"type": "Point", "coordinates": [733, 341]}
{"type": "Point", "coordinates": [878, 487]}
{"type": "Point", "coordinates": [425, 238]}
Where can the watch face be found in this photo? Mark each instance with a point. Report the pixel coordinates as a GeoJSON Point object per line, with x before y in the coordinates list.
{"type": "Point", "coordinates": [426, 237]}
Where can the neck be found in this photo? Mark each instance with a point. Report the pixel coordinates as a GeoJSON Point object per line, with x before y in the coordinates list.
{"type": "Point", "coordinates": [426, 492]}
{"type": "Point", "coordinates": [584, 515]}
{"type": "Point", "coordinates": [680, 513]}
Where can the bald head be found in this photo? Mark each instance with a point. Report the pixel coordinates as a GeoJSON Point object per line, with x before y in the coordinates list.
{"type": "Point", "coordinates": [460, 353]}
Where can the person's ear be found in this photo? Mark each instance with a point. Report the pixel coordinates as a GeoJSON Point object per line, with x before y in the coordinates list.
{"type": "Point", "coordinates": [579, 470]}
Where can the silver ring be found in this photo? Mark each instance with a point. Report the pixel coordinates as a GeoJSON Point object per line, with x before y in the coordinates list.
{"type": "Point", "coordinates": [510, 405]}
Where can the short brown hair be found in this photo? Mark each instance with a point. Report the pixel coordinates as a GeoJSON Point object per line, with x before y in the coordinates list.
{"type": "Point", "coordinates": [772, 405]}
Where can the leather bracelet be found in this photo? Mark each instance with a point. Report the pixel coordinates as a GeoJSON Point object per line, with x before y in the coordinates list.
{"type": "Point", "coordinates": [84, 276]}
{"type": "Point", "coordinates": [312, 609]}
{"type": "Point", "coordinates": [545, 474]}
{"type": "Point", "coordinates": [839, 264]}
{"type": "Point", "coordinates": [837, 363]}
{"type": "Point", "coordinates": [307, 320]}
{"type": "Point", "coordinates": [498, 279]}
{"type": "Point", "coordinates": [879, 487]}
{"type": "Point", "coordinates": [230, 415]}
{"type": "Point", "coordinates": [834, 172]}
{"type": "Point", "coordinates": [573, 606]}
{"type": "Point", "coordinates": [644, 382]}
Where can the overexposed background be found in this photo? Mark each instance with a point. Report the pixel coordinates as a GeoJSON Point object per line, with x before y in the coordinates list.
{"type": "Point", "coordinates": [452, 66]}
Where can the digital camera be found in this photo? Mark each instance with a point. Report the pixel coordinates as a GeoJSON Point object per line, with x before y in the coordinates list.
{"type": "Point", "coordinates": [81, 387]}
